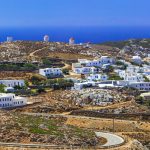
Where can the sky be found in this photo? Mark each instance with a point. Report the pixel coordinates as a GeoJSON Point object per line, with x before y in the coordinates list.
{"type": "Point", "coordinates": [39, 13]}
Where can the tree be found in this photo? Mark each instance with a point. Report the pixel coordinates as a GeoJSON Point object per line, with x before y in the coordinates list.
{"type": "Point", "coordinates": [146, 79]}
{"type": "Point", "coordinates": [29, 67]}
{"type": "Point", "coordinates": [59, 83]}
{"type": "Point", "coordinates": [115, 77]}
{"type": "Point", "coordinates": [37, 79]}
{"type": "Point", "coordinates": [41, 90]}
{"type": "Point", "coordinates": [65, 71]}
{"type": "Point", "coordinates": [26, 83]}
{"type": "Point", "coordinates": [2, 88]}
{"type": "Point", "coordinates": [46, 62]}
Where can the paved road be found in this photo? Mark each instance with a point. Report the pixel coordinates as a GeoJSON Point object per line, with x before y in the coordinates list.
{"type": "Point", "coordinates": [112, 139]}
{"type": "Point", "coordinates": [45, 146]}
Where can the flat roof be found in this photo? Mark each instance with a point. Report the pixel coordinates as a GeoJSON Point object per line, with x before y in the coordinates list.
{"type": "Point", "coordinates": [145, 94]}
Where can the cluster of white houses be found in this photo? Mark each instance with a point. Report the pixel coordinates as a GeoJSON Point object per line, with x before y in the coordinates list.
{"type": "Point", "coordinates": [85, 66]}
{"type": "Point", "coordinates": [133, 76]}
{"type": "Point", "coordinates": [10, 100]}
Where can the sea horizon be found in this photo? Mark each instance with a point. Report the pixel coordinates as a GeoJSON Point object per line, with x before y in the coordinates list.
{"type": "Point", "coordinates": [80, 34]}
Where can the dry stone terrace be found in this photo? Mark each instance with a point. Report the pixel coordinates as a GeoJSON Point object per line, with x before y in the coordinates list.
{"type": "Point", "coordinates": [92, 96]}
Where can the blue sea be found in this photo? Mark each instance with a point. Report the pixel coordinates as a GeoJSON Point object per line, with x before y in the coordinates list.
{"type": "Point", "coordinates": [81, 34]}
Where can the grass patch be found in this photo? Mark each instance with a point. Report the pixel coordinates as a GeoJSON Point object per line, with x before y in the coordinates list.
{"type": "Point", "coordinates": [50, 126]}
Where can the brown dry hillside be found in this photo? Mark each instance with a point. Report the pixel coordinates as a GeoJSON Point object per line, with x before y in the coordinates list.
{"type": "Point", "coordinates": [28, 50]}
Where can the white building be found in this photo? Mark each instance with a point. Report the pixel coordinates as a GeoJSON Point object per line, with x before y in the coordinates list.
{"type": "Point", "coordinates": [80, 86]}
{"type": "Point", "coordinates": [85, 70]}
{"type": "Point", "coordinates": [130, 76]}
{"type": "Point", "coordinates": [83, 61]}
{"type": "Point", "coordinates": [106, 84]}
{"type": "Point", "coordinates": [97, 63]}
{"type": "Point", "coordinates": [106, 60]}
{"type": "Point", "coordinates": [94, 63]}
{"type": "Point", "coordinates": [9, 39]}
{"type": "Point", "coordinates": [85, 66]}
{"type": "Point", "coordinates": [134, 69]}
{"type": "Point", "coordinates": [137, 59]}
{"type": "Point", "coordinates": [146, 69]}
{"type": "Point", "coordinates": [46, 38]}
{"type": "Point", "coordinates": [12, 83]}
{"type": "Point", "coordinates": [97, 77]}
{"type": "Point", "coordinates": [51, 72]}
{"type": "Point", "coordinates": [145, 96]}
{"type": "Point", "coordinates": [142, 86]}
{"type": "Point", "coordinates": [10, 100]}
{"type": "Point", "coordinates": [71, 41]}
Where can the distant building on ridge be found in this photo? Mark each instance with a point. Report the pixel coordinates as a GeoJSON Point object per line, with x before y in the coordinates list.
{"type": "Point", "coordinates": [71, 41]}
{"type": "Point", "coordinates": [9, 39]}
{"type": "Point", "coordinates": [46, 38]}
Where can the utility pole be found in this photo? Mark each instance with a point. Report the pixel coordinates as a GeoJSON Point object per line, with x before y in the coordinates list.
{"type": "Point", "coordinates": [113, 124]}
{"type": "Point", "coordinates": [114, 114]}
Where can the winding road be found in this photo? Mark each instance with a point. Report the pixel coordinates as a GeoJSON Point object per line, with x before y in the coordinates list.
{"type": "Point", "coordinates": [112, 139]}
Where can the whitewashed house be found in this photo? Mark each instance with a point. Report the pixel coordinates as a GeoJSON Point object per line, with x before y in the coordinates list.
{"type": "Point", "coordinates": [96, 62]}
{"type": "Point", "coordinates": [130, 76]}
{"type": "Point", "coordinates": [108, 84]}
{"type": "Point", "coordinates": [10, 100]}
{"type": "Point", "coordinates": [85, 70]}
{"type": "Point", "coordinates": [147, 73]}
{"type": "Point", "coordinates": [146, 69]}
{"type": "Point", "coordinates": [83, 61]}
{"type": "Point", "coordinates": [51, 72]}
{"type": "Point", "coordinates": [90, 63]}
{"type": "Point", "coordinates": [134, 69]}
{"type": "Point", "coordinates": [137, 59]}
{"type": "Point", "coordinates": [145, 96]}
{"type": "Point", "coordinates": [142, 86]}
{"type": "Point", "coordinates": [12, 83]}
{"type": "Point", "coordinates": [85, 66]}
{"type": "Point", "coordinates": [80, 86]}
{"type": "Point", "coordinates": [134, 77]}
{"type": "Point", "coordinates": [97, 77]}
{"type": "Point", "coordinates": [106, 60]}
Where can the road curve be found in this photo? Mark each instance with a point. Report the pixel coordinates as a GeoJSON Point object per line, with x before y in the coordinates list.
{"type": "Point", "coordinates": [112, 139]}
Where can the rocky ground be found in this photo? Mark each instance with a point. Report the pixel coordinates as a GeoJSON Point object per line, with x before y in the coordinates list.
{"type": "Point", "coordinates": [30, 51]}
{"type": "Point", "coordinates": [53, 131]}
{"type": "Point", "coordinates": [15, 75]}
{"type": "Point", "coordinates": [27, 51]}
{"type": "Point", "coordinates": [139, 130]}
{"type": "Point", "coordinates": [99, 97]}
{"type": "Point", "coordinates": [108, 101]}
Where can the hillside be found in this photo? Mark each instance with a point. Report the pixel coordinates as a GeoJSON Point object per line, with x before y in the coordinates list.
{"type": "Point", "coordinates": [145, 43]}
{"type": "Point", "coordinates": [17, 128]}
{"type": "Point", "coordinates": [34, 51]}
